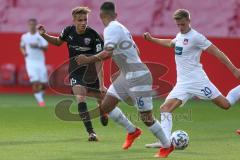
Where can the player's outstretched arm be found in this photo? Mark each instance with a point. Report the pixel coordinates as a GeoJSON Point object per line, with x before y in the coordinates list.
{"type": "Point", "coordinates": [105, 54]}
{"type": "Point", "coordinates": [51, 39]}
{"type": "Point", "coordinates": [163, 42]}
{"type": "Point", "coordinates": [224, 59]}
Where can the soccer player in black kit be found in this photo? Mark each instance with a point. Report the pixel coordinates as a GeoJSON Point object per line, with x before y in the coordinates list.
{"type": "Point", "coordinates": [81, 39]}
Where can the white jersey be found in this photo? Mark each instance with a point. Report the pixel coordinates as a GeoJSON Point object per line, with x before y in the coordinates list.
{"type": "Point", "coordinates": [188, 50]}
{"type": "Point", "coordinates": [125, 53]}
{"type": "Point", "coordinates": [34, 55]}
{"type": "Point", "coordinates": [134, 84]}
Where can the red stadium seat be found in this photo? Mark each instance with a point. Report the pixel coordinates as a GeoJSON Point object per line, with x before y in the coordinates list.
{"type": "Point", "coordinates": [8, 74]}
{"type": "Point", "coordinates": [23, 77]}
{"type": "Point", "coordinates": [61, 76]}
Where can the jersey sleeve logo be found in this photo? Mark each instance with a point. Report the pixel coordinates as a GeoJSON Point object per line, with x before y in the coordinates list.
{"type": "Point", "coordinates": [87, 41]}
{"type": "Point", "coordinates": [178, 50]}
{"type": "Point", "coordinates": [98, 47]}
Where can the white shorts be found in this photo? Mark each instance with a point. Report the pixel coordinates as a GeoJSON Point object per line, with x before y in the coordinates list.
{"type": "Point", "coordinates": [135, 95]}
{"type": "Point", "coordinates": [37, 72]}
{"type": "Point", "coordinates": [204, 90]}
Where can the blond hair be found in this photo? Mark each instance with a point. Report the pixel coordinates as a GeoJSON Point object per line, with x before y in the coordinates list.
{"type": "Point", "coordinates": [180, 14]}
{"type": "Point", "coordinates": [80, 10]}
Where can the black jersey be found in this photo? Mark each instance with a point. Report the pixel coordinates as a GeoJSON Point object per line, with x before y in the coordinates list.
{"type": "Point", "coordinates": [89, 43]}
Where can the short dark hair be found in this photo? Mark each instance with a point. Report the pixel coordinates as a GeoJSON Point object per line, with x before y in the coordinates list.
{"type": "Point", "coordinates": [32, 20]}
{"type": "Point", "coordinates": [108, 7]}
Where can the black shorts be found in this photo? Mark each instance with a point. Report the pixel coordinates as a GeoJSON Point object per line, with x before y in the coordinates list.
{"type": "Point", "coordinates": [80, 78]}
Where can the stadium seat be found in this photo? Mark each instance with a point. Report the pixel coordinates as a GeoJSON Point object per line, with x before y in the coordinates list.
{"type": "Point", "coordinates": [23, 77]}
{"type": "Point", "coordinates": [157, 19]}
{"type": "Point", "coordinates": [7, 74]}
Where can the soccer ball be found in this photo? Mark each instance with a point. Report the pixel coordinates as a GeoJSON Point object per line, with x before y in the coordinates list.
{"type": "Point", "coordinates": [179, 139]}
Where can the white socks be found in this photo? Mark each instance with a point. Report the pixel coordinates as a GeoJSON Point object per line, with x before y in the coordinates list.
{"type": "Point", "coordinates": [234, 95]}
{"type": "Point", "coordinates": [158, 132]}
{"type": "Point", "coordinates": [39, 96]}
{"type": "Point", "coordinates": [166, 123]}
{"type": "Point", "coordinates": [117, 116]}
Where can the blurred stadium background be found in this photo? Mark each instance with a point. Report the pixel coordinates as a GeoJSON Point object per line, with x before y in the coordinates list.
{"type": "Point", "coordinates": [30, 133]}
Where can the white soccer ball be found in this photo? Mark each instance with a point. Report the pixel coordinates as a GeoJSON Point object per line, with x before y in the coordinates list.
{"type": "Point", "coordinates": [180, 139]}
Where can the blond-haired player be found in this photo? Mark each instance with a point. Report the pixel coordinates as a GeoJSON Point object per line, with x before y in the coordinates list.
{"type": "Point", "coordinates": [191, 78]}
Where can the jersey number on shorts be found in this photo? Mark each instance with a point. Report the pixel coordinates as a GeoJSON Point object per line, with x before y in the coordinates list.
{"type": "Point", "coordinates": [140, 101]}
{"type": "Point", "coordinates": [73, 81]}
{"type": "Point", "coordinates": [207, 92]}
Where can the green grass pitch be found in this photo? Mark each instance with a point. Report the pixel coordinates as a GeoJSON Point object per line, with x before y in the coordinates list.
{"type": "Point", "coordinates": [28, 132]}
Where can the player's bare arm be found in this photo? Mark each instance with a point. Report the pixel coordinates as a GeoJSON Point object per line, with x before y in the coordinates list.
{"type": "Point", "coordinates": [224, 59]}
{"type": "Point", "coordinates": [163, 42]}
{"type": "Point", "coordinates": [23, 51]}
{"type": "Point", "coordinates": [51, 39]}
{"type": "Point", "coordinates": [105, 54]}
{"type": "Point", "coordinates": [100, 72]}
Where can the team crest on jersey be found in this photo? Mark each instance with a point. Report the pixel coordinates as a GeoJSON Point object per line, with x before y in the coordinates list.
{"type": "Point", "coordinates": [87, 41]}
{"type": "Point", "coordinates": [185, 41]}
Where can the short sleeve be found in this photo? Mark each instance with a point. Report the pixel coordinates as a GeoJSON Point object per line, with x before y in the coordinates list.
{"type": "Point", "coordinates": [202, 42]}
{"type": "Point", "coordinates": [22, 42]}
{"type": "Point", "coordinates": [44, 43]}
{"type": "Point", "coordinates": [111, 37]}
{"type": "Point", "coordinates": [64, 34]}
{"type": "Point", "coordinates": [173, 41]}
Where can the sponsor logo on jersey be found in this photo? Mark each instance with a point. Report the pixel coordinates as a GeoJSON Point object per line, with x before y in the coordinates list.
{"type": "Point", "coordinates": [178, 50]}
{"type": "Point", "coordinates": [79, 48]}
{"type": "Point", "coordinates": [185, 41]}
{"type": "Point", "coordinates": [70, 37]}
{"type": "Point", "coordinates": [87, 41]}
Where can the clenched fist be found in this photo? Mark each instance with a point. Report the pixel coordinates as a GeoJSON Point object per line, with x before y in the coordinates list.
{"type": "Point", "coordinates": [41, 29]}
{"type": "Point", "coordinates": [147, 36]}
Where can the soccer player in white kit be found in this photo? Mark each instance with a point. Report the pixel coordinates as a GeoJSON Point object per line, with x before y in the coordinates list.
{"type": "Point", "coordinates": [191, 78]}
{"type": "Point", "coordinates": [33, 46]}
{"type": "Point", "coordinates": [134, 82]}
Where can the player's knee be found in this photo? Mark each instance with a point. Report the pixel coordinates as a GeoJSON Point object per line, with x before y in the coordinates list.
{"type": "Point", "coordinates": [80, 98]}
{"type": "Point", "coordinates": [222, 103]}
{"type": "Point", "coordinates": [35, 87]}
{"type": "Point", "coordinates": [165, 108]}
{"type": "Point", "coordinates": [147, 118]}
{"type": "Point", "coordinates": [106, 108]}
{"type": "Point", "coordinates": [226, 106]}
{"type": "Point", "coordinates": [43, 86]}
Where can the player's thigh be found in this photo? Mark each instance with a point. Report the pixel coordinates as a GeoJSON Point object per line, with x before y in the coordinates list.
{"type": "Point", "coordinates": [170, 105]}
{"type": "Point", "coordinates": [119, 89]}
{"type": "Point", "coordinates": [222, 102]}
{"type": "Point", "coordinates": [177, 97]}
{"type": "Point", "coordinates": [93, 90]}
{"type": "Point", "coordinates": [109, 102]}
{"type": "Point", "coordinates": [32, 71]}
